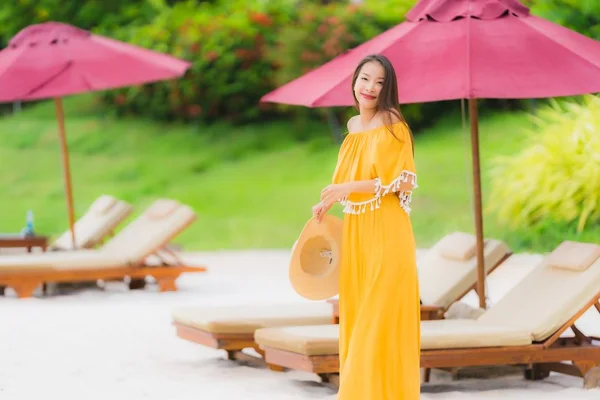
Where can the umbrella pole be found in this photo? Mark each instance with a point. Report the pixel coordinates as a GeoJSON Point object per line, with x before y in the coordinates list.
{"type": "Point", "coordinates": [60, 116]}
{"type": "Point", "coordinates": [473, 118]}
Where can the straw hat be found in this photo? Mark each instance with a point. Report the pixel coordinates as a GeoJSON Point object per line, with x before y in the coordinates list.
{"type": "Point", "coordinates": [315, 264]}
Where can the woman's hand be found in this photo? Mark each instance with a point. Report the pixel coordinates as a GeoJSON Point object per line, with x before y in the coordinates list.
{"type": "Point", "coordinates": [319, 210]}
{"type": "Point", "coordinates": [333, 193]}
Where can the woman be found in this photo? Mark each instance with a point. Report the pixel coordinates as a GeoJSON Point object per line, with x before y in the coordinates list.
{"type": "Point", "coordinates": [379, 294]}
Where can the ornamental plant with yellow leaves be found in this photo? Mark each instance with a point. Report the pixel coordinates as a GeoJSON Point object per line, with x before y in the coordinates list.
{"type": "Point", "coordinates": [555, 180]}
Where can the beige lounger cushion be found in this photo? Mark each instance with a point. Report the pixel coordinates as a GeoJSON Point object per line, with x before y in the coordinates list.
{"type": "Point", "coordinates": [130, 247]}
{"type": "Point", "coordinates": [103, 216]}
{"type": "Point", "coordinates": [162, 208]}
{"type": "Point", "coordinates": [95, 260]}
{"type": "Point", "coordinates": [459, 246]}
{"type": "Point", "coordinates": [7, 267]}
{"type": "Point", "coordinates": [466, 333]}
{"type": "Point", "coordinates": [442, 281]}
{"type": "Point", "coordinates": [248, 319]}
{"type": "Point", "coordinates": [102, 204]}
{"type": "Point", "coordinates": [546, 299]}
{"type": "Point", "coordinates": [67, 260]}
{"type": "Point", "coordinates": [443, 334]}
{"type": "Point", "coordinates": [574, 255]}
{"type": "Point", "coordinates": [314, 340]}
{"type": "Point", "coordinates": [534, 309]}
{"type": "Point", "coordinates": [150, 231]}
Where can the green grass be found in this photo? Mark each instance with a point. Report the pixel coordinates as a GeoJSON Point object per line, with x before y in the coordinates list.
{"type": "Point", "coordinates": [444, 199]}
{"type": "Point", "coordinates": [252, 186]}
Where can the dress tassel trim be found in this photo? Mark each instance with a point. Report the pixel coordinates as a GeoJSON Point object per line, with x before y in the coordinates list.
{"type": "Point", "coordinates": [405, 197]}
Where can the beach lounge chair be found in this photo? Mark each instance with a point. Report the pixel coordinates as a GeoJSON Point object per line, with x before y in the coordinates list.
{"type": "Point", "coordinates": [525, 327]}
{"type": "Point", "coordinates": [99, 222]}
{"type": "Point", "coordinates": [448, 271]}
{"type": "Point", "coordinates": [232, 328]}
{"type": "Point", "coordinates": [137, 251]}
{"type": "Point", "coordinates": [449, 267]}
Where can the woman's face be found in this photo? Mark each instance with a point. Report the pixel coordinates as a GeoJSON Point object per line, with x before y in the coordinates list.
{"type": "Point", "coordinates": [368, 84]}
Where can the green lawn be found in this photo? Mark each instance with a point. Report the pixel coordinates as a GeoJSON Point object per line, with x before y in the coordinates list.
{"type": "Point", "coordinates": [253, 187]}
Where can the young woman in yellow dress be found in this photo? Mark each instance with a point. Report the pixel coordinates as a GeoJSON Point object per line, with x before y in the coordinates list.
{"type": "Point", "coordinates": [379, 293]}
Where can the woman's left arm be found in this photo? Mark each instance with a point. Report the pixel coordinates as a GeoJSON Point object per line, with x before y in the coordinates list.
{"type": "Point", "coordinates": [335, 192]}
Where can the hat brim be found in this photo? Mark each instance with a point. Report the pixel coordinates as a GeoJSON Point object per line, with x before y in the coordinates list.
{"type": "Point", "coordinates": [315, 262]}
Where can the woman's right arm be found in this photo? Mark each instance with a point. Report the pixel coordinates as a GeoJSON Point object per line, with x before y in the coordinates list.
{"type": "Point", "coordinates": [320, 209]}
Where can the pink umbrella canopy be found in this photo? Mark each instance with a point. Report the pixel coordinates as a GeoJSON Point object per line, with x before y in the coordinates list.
{"type": "Point", "coordinates": [55, 59]}
{"type": "Point", "coordinates": [52, 59]}
{"type": "Point", "coordinates": [462, 49]}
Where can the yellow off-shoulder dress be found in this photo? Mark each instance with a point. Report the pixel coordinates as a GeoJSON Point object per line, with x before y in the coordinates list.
{"type": "Point", "coordinates": [379, 291]}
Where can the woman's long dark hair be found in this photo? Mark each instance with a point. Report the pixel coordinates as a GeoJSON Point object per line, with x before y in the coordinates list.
{"type": "Point", "coordinates": [387, 103]}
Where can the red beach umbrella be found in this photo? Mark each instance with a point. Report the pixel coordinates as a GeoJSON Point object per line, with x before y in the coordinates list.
{"type": "Point", "coordinates": [463, 49]}
{"type": "Point", "coordinates": [52, 60]}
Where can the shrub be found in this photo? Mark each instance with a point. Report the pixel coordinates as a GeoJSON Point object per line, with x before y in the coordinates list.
{"type": "Point", "coordinates": [320, 34]}
{"type": "Point", "coordinates": [582, 16]}
{"type": "Point", "coordinates": [389, 12]}
{"type": "Point", "coordinates": [226, 43]}
{"type": "Point", "coordinates": [556, 179]}
{"type": "Point", "coordinates": [242, 51]}
{"type": "Point", "coordinates": [323, 32]}
{"type": "Point", "coordinates": [91, 14]}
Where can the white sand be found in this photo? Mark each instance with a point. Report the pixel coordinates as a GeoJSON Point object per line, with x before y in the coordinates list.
{"type": "Point", "coordinates": [94, 344]}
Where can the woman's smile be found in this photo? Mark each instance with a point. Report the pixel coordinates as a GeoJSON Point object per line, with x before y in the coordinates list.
{"type": "Point", "coordinates": [367, 96]}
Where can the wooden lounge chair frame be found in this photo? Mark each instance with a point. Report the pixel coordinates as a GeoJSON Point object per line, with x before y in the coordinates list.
{"type": "Point", "coordinates": [427, 312]}
{"type": "Point", "coordinates": [25, 282]}
{"type": "Point", "coordinates": [539, 358]}
{"type": "Point", "coordinates": [234, 343]}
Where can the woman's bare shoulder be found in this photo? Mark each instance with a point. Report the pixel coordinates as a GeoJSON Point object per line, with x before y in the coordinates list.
{"type": "Point", "coordinates": [395, 116]}
{"type": "Point", "coordinates": [387, 117]}
{"type": "Point", "coordinates": [352, 123]}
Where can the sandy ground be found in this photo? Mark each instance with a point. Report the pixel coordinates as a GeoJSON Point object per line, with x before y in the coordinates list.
{"type": "Point", "coordinates": [95, 343]}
